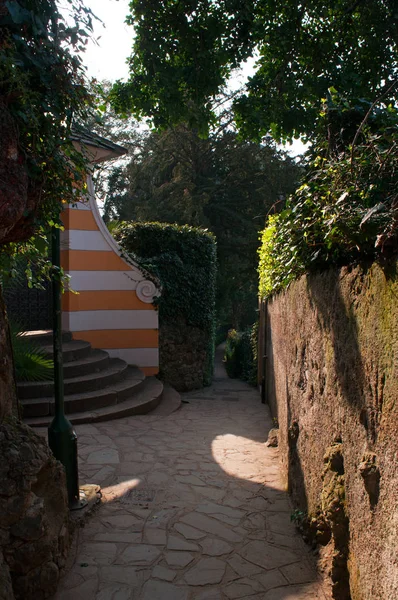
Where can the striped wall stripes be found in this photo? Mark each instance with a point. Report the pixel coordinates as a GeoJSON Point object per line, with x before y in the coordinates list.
{"type": "Point", "coordinates": [112, 308]}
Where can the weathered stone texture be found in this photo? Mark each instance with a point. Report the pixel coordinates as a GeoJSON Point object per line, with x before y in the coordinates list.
{"type": "Point", "coordinates": [15, 201]}
{"type": "Point", "coordinates": [6, 592]}
{"type": "Point", "coordinates": [184, 355]}
{"type": "Point", "coordinates": [34, 516]}
{"type": "Point", "coordinates": [8, 395]}
{"type": "Point", "coordinates": [332, 382]}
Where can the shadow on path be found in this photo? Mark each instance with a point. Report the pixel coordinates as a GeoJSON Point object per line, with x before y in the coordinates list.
{"type": "Point", "coordinates": [193, 507]}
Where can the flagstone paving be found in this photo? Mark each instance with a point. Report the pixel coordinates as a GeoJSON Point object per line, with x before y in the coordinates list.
{"type": "Point", "coordinates": [193, 507]}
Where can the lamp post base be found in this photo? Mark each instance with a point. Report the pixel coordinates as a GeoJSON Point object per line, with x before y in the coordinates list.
{"type": "Point", "coordinates": [62, 440]}
{"type": "Point", "coordinates": [82, 502]}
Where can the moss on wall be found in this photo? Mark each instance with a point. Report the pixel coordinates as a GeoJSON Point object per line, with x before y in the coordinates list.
{"type": "Point", "coordinates": [333, 375]}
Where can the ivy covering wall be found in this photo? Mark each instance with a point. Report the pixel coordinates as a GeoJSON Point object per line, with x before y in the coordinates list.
{"type": "Point", "coordinates": [183, 259]}
{"type": "Point", "coordinates": [346, 210]}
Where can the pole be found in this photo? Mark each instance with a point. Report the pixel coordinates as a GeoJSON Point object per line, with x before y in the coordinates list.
{"type": "Point", "coordinates": [62, 438]}
{"type": "Point", "coordinates": [264, 356]}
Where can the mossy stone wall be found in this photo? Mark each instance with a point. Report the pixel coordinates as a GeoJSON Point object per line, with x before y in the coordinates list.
{"type": "Point", "coordinates": [332, 383]}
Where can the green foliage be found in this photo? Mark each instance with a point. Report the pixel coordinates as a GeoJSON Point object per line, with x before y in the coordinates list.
{"type": "Point", "coordinates": [222, 184]}
{"type": "Point", "coordinates": [30, 362]}
{"type": "Point", "coordinates": [42, 85]}
{"type": "Point", "coordinates": [183, 258]}
{"type": "Point", "coordinates": [231, 356]}
{"type": "Point", "coordinates": [180, 57]}
{"type": "Point", "coordinates": [185, 51]}
{"type": "Point", "coordinates": [112, 226]}
{"type": "Point", "coordinates": [268, 263]}
{"type": "Point", "coordinates": [29, 260]}
{"type": "Point", "coordinates": [240, 356]}
{"type": "Point", "coordinates": [346, 210]}
{"type": "Point", "coordinates": [119, 129]}
{"type": "Point", "coordinates": [298, 517]}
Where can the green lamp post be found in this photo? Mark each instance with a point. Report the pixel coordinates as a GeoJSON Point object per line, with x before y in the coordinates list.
{"type": "Point", "coordinates": [62, 438]}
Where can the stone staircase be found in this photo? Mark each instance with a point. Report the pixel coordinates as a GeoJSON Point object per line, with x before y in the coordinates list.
{"type": "Point", "coordinates": [96, 387]}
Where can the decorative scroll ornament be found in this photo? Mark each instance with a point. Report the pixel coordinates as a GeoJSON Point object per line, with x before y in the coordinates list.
{"type": "Point", "coordinates": [146, 290]}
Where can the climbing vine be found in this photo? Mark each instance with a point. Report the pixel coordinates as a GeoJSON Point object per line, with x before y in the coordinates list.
{"type": "Point", "coordinates": [346, 209]}
{"type": "Point", "coordinates": [42, 93]}
{"type": "Point", "coordinates": [184, 259]}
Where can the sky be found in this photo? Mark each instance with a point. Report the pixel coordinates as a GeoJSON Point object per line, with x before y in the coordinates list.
{"type": "Point", "coordinates": [106, 58]}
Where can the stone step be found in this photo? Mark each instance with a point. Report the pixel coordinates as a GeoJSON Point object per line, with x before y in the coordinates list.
{"type": "Point", "coordinates": [96, 387]}
{"type": "Point", "coordinates": [83, 401]}
{"type": "Point", "coordinates": [29, 390]}
{"type": "Point", "coordinates": [71, 351]}
{"type": "Point", "coordinates": [97, 360]}
{"type": "Point", "coordinates": [171, 401]}
{"type": "Point", "coordinates": [45, 336]}
{"type": "Point", "coordinates": [146, 398]}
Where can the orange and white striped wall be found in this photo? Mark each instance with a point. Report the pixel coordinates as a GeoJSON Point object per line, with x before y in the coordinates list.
{"type": "Point", "coordinates": [113, 308]}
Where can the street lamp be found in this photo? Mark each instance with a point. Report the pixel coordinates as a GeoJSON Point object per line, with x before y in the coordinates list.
{"type": "Point", "coordinates": [62, 438]}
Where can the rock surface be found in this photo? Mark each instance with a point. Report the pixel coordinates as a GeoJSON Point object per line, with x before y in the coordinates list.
{"type": "Point", "coordinates": [34, 515]}
{"type": "Point", "coordinates": [333, 384]}
{"type": "Point", "coordinates": [184, 354]}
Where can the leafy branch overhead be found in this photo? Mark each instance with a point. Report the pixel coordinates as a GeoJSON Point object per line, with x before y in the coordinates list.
{"type": "Point", "coordinates": [346, 210]}
{"type": "Point", "coordinates": [42, 92]}
{"type": "Point", "coordinates": [185, 51]}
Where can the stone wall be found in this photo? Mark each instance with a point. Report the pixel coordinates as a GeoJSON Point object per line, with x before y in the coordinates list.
{"type": "Point", "coordinates": [332, 383]}
{"type": "Point", "coordinates": [34, 515]}
{"type": "Point", "coordinates": [184, 355]}
{"type": "Point", "coordinates": [8, 395]}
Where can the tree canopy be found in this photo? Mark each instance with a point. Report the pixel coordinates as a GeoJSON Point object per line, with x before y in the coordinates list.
{"type": "Point", "coordinates": [185, 50]}
{"type": "Point", "coordinates": [220, 183]}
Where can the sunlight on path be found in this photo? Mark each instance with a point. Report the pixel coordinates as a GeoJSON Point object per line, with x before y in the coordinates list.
{"type": "Point", "coordinates": [193, 507]}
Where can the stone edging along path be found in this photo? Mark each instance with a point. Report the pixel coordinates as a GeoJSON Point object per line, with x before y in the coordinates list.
{"type": "Point", "coordinates": [193, 507]}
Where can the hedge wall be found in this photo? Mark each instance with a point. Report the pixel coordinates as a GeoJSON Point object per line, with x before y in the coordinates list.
{"type": "Point", "coordinates": [184, 259]}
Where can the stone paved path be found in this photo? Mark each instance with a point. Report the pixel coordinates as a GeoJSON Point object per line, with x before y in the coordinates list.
{"type": "Point", "coordinates": [193, 508]}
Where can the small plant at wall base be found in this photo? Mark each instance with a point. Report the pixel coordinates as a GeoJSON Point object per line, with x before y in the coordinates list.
{"type": "Point", "coordinates": [30, 361]}
{"type": "Point", "coordinates": [184, 259]}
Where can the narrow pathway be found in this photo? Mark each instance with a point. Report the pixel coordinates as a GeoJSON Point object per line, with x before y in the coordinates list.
{"type": "Point", "coordinates": [193, 507]}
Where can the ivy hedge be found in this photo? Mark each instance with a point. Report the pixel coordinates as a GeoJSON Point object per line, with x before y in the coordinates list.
{"type": "Point", "coordinates": [346, 210]}
{"type": "Point", "coordinates": [184, 260]}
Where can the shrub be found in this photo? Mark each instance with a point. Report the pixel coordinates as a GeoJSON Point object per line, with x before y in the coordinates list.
{"type": "Point", "coordinates": [232, 356]}
{"type": "Point", "coordinates": [240, 356]}
{"type": "Point", "coordinates": [183, 258]}
{"type": "Point", "coordinates": [30, 361]}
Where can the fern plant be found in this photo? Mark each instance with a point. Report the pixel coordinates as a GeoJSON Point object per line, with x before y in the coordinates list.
{"type": "Point", "coordinates": [30, 361]}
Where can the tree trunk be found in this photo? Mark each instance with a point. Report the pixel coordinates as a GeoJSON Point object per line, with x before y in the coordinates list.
{"type": "Point", "coordinates": [8, 394]}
